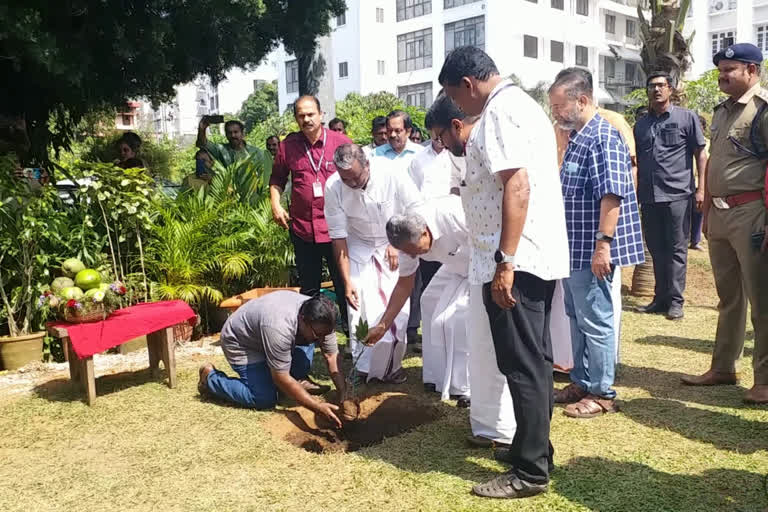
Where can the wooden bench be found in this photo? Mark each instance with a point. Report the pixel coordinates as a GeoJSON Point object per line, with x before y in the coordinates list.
{"type": "Point", "coordinates": [160, 347]}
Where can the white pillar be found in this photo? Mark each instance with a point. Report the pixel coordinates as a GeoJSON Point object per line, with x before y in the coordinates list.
{"type": "Point", "coordinates": [701, 46]}
{"type": "Point", "coordinates": [745, 32]}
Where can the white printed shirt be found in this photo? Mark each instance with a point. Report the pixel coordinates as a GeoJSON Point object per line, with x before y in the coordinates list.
{"type": "Point", "coordinates": [514, 132]}
{"type": "Point", "coordinates": [360, 215]}
{"type": "Point", "coordinates": [450, 238]}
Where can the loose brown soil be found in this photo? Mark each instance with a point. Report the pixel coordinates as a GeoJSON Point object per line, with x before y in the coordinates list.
{"type": "Point", "coordinates": [380, 416]}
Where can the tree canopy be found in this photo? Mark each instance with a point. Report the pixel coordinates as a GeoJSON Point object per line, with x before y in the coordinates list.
{"type": "Point", "coordinates": [63, 59]}
{"type": "Point", "coordinates": [260, 105]}
{"type": "Point", "coordinates": [358, 112]}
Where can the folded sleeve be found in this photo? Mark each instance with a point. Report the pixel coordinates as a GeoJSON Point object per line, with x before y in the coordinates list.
{"type": "Point", "coordinates": [609, 168]}
{"type": "Point", "coordinates": [280, 170]}
{"type": "Point", "coordinates": [329, 345]}
{"type": "Point", "coordinates": [408, 264]}
{"type": "Point", "coordinates": [506, 144]}
{"type": "Point", "coordinates": [335, 216]}
{"type": "Point", "coordinates": [278, 348]}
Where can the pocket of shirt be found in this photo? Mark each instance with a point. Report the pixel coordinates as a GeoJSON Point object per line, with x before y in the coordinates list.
{"type": "Point", "coordinates": [573, 182]}
{"type": "Point", "coordinates": [671, 136]}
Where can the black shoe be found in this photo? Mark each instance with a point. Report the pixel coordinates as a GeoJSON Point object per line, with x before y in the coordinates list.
{"type": "Point", "coordinates": [430, 388]}
{"type": "Point", "coordinates": [675, 313]}
{"type": "Point", "coordinates": [653, 307]}
{"type": "Point", "coordinates": [462, 401]}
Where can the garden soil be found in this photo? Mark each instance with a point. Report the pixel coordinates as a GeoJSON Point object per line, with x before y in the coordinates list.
{"type": "Point", "coordinates": [380, 416]}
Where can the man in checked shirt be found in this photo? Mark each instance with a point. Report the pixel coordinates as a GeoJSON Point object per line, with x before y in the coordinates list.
{"type": "Point", "coordinates": [603, 231]}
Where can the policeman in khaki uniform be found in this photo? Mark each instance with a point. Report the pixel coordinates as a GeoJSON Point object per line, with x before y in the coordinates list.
{"type": "Point", "coordinates": [735, 218]}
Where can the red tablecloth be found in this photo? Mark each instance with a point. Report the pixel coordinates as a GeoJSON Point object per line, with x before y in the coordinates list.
{"type": "Point", "coordinates": [124, 325]}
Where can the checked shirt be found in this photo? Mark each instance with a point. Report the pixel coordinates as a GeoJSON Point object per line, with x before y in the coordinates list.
{"type": "Point", "coordinates": [597, 163]}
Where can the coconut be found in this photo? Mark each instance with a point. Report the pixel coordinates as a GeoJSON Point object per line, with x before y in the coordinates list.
{"type": "Point", "coordinates": [71, 292]}
{"type": "Point", "coordinates": [71, 267]}
{"type": "Point", "coordinates": [60, 283]}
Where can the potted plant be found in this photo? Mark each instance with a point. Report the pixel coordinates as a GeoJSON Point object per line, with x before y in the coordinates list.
{"type": "Point", "coordinates": [28, 222]}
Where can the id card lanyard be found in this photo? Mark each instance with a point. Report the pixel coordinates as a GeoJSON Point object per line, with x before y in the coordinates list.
{"type": "Point", "coordinates": [317, 187]}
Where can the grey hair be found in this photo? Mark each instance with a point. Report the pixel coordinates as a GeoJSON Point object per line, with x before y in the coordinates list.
{"type": "Point", "coordinates": [405, 228]}
{"type": "Point", "coordinates": [577, 82]}
{"type": "Point", "coordinates": [346, 154]}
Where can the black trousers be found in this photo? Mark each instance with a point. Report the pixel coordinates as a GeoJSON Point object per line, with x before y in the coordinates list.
{"type": "Point", "coordinates": [427, 270]}
{"type": "Point", "coordinates": [309, 265]}
{"type": "Point", "coordinates": [524, 355]}
{"type": "Point", "coordinates": [667, 229]}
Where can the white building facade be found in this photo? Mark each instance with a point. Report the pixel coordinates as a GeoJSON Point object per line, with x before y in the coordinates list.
{"type": "Point", "coordinates": [720, 23]}
{"type": "Point", "coordinates": [399, 45]}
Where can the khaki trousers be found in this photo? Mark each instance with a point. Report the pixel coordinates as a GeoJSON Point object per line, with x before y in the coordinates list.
{"type": "Point", "coordinates": [741, 274]}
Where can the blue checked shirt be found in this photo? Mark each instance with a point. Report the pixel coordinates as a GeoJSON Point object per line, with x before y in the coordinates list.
{"type": "Point", "coordinates": [597, 163]}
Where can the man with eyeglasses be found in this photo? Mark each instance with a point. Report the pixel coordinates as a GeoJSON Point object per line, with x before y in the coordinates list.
{"type": "Point", "coordinates": [736, 221]}
{"type": "Point", "coordinates": [270, 342]}
{"type": "Point", "coordinates": [668, 140]}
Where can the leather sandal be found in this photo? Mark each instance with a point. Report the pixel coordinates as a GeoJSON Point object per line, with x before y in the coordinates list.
{"type": "Point", "coordinates": [591, 406]}
{"type": "Point", "coordinates": [569, 394]}
{"type": "Point", "coordinates": [509, 485]}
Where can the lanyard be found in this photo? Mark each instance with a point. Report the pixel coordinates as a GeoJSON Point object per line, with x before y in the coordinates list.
{"type": "Point", "coordinates": [317, 167]}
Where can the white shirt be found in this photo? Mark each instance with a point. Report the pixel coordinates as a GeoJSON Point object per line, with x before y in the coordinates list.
{"type": "Point", "coordinates": [360, 215]}
{"type": "Point", "coordinates": [419, 162]}
{"type": "Point", "coordinates": [431, 172]}
{"type": "Point", "coordinates": [458, 171]}
{"type": "Point", "coordinates": [514, 132]}
{"type": "Point", "coordinates": [445, 220]}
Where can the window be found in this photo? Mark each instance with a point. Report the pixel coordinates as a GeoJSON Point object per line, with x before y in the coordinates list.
{"type": "Point", "coordinates": [582, 56]}
{"type": "Point", "coordinates": [469, 32]}
{"type": "Point", "coordinates": [762, 38]}
{"type": "Point", "coordinates": [414, 50]}
{"type": "Point", "coordinates": [722, 40]}
{"type": "Point", "coordinates": [292, 76]}
{"type": "Point", "coordinates": [407, 9]}
{"type": "Point", "coordinates": [417, 95]}
{"type": "Point", "coordinates": [630, 73]}
{"type": "Point", "coordinates": [341, 20]}
{"type": "Point", "coordinates": [556, 51]}
{"type": "Point", "coordinates": [343, 70]}
{"type": "Point", "coordinates": [447, 4]}
{"type": "Point", "coordinates": [379, 15]}
{"type": "Point", "coordinates": [558, 4]}
{"type": "Point", "coordinates": [610, 67]}
{"type": "Point", "coordinates": [582, 7]}
{"type": "Point", "coordinates": [631, 29]}
{"type": "Point", "coordinates": [610, 24]}
{"type": "Point", "coordinates": [531, 47]}
{"type": "Point", "coordinates": [380, 67]}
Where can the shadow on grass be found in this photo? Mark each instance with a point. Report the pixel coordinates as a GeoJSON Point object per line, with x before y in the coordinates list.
{"type": "Point", "coordinates": [665, 384]}
{"type": "Point", "coordinates": [695, 345]}
{"type": "Point", "coordinates": [66, 390]}
{"type": "Point", "coordinates": [608, 485]}
{"type": "Point", "coordinates": [722, 430]}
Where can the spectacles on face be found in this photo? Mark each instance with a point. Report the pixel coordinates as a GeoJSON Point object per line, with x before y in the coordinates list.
{"type": "Point", "coordinates": [653, 87]}
{"type": "Point", "coordinates": [315, 336]}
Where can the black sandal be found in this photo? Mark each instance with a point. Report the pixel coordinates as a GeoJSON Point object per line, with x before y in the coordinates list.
{"type": "Point", "coordinates": [508, 485]}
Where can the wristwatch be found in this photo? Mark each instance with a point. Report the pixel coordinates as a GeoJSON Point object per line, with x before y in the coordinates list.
{"type": "Point", "coordinates": [602, 237]}
{"type": "Point", "coordinates": [499, 257]}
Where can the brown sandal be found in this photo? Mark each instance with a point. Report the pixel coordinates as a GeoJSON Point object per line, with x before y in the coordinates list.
{"type": "Point", "coordinates": [591, 406]}
{"type": "Point", "coordinates": [569, 394]}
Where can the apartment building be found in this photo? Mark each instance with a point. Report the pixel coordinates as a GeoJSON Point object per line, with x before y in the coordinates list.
{"type": "Point", "coordinates": [399, 45]}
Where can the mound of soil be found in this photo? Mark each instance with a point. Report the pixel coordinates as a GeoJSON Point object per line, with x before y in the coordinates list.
{"type": "Point", "coordinates": [380, 416]}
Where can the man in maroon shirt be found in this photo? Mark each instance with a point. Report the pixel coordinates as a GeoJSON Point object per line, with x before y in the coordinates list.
{"type": "Point", "coordinates": [307, 158]}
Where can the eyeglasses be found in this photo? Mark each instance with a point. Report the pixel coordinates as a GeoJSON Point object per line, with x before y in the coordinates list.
{"type": "Point", "coordinates": [653, 87]}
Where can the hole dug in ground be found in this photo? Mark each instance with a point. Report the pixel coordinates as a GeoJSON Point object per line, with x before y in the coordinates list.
{"type": "Point", "coordinates": [382, 415]}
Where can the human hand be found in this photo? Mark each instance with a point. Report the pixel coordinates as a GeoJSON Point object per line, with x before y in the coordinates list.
{"type": "Point", "coordinates": [375, 333]}
{"type": "Point", "coordinates": [329, 411]}
{"type": "Point", "coordinates": [699, 196]}
{"type": "Point", "coordinates": [601, 260]}
{"type": "Point", "coordinates": [352, 297]}
{"type": "Point", "coordinates": [281, 216]}
{"type": "Point", "coordinates": [501, 286]}
{"type": "Point", "coordinates": [204, 123]}
{"type": "Point", "coordinates": [392, 257]}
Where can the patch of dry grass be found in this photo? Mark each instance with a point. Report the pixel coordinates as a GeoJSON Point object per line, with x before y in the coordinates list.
{"type": "Point", "coordinates": [145, 447]}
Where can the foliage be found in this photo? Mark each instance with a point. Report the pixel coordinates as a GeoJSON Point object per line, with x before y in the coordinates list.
{"type": "Point", "coordinates": [276, 124]}
{"type": "Point", "coordinates": [539, 92]}
{"type": "Point", "coordinates": [358, 111]}
{"type": "Point", "coordinates": [62, 59]}
{"type": "Point", "coordinates": [259, 106]}
{"type": "Point", "coordinates": [702, 94]}
{"type": "Point", "coordinates": [664, 47]}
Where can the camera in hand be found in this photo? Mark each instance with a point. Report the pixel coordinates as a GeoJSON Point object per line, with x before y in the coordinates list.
{"type": "Point", "coordinates": [215, 119]}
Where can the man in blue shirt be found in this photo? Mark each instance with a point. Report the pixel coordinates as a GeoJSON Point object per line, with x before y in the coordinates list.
{"type": "Point", "coordinates": [668, 139]}
{"type": "Point", "coordinates": [603, 231]}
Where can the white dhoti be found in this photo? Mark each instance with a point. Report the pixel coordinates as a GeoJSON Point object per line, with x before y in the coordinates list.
{"type": "Point", "coordinates": [491, 414]}
{"type": "Point", "coordinates": [374, 282]}
{"type": "Point", "coordinates": [560, 326]}
{"type": "Point", "coordinates": [445, 333]}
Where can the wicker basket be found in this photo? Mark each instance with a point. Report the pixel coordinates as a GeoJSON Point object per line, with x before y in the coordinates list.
{"type": "Point", "coordinates": [95, 315]}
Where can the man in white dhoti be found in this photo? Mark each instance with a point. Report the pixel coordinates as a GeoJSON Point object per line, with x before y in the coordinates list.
{"type": "Point", "coordinates": [491, 414]}
{"type": "Point", "coordinates": [435, 231]}
{"type": "Point", "coordinates": [359, 200]}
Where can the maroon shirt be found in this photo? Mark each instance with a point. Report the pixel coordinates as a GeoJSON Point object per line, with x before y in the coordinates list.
{"type": "Point", "coordinates": [307, 216]}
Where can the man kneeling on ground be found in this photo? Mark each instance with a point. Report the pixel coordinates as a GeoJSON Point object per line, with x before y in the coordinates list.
{"type": "Point", "coordinates": [270, 342]}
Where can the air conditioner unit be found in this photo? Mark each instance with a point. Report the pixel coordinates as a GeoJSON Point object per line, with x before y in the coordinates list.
{"type": "Point", "coordinates": [717, 6]}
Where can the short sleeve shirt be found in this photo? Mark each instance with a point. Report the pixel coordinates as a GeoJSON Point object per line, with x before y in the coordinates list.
{"type": "Point", "coordinates": [267, 329]}
{"type": "Point", "coordinates": [666, 145]}
{"type": "Point", "coordinates": [514, 132]}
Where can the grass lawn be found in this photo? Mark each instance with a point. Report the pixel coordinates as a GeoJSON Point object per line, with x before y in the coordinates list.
{"type": "Point", "coordinates": [145, 447]}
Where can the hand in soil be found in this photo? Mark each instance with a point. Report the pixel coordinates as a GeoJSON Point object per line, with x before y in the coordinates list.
{"type": "Point", "coordinates": [349, 410]}
{"type": "Point", "coordinates": [329, 410]}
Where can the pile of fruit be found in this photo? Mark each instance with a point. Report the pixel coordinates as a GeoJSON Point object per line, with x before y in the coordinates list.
{"type": "Point", "coordinates": [80, 295]}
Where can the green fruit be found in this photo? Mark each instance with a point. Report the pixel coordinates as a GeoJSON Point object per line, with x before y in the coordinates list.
{"type": "Point", "coordinates": [103, 287]}
{"type": "Point", "coordinates": [71, 267]}
{"type": "Point", "coordinates": [71, 292]}
{"type": "Point", "coordinates": [90, 293]}
{"type": "Point", "coordinates": [87, 279]}
{"type": "Point", "coordinates": [60, 283]}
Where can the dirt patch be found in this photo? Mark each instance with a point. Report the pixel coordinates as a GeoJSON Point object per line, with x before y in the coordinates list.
{"type": "Point", "coordinates": [380, 416]}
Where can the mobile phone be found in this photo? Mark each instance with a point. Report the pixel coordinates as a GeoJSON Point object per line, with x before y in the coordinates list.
{"type": "Point", "coordinates": [215, 119]}
{"type": "Point", "coordinates": [757, 240]}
